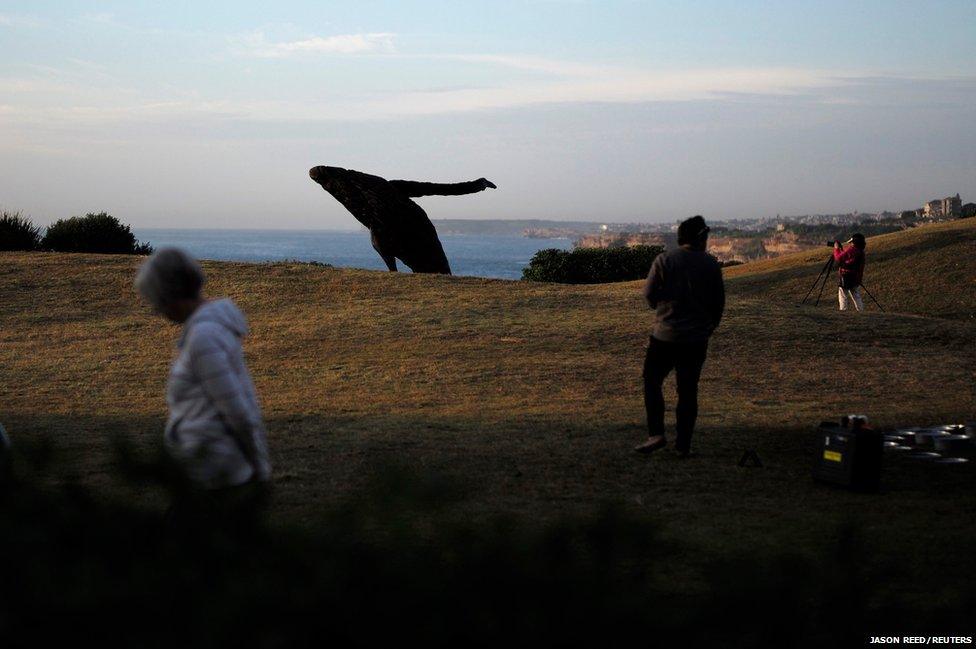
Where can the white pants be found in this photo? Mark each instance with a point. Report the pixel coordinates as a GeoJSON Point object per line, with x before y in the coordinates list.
{"type": "Point", "coordinates": [847, 297]}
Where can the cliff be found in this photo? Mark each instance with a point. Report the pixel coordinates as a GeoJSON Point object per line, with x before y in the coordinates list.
{"type": "Point", "coordinates": [623, 239]}
{"type": "Point", "coordinates": [723, 248]}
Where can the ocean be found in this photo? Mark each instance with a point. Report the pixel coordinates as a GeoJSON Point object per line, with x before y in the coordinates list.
{"type": "Point", "coordinates": [498, 256]}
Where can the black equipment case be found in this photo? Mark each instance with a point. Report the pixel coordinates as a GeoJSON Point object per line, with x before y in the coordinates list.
{"type": "Point", "coordinates": [849, 457]}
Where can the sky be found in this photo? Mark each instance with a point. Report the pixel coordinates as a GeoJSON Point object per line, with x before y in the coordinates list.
{"type": "Point", "coordinates": [209, 115]}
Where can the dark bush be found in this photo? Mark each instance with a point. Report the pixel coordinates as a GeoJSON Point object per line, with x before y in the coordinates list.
{"type": "Point", "coordinates": [18, 232]}
{"type": "Point", "coordinates": [591, 265]}
{"type": "Point", "coordinates": [102, 233]}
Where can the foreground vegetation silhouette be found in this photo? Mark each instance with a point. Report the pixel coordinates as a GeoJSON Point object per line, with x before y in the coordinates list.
{"type": "Point", "coordinates": [18, 232]}
{"type": "Point", "coordinates": [395, 565]}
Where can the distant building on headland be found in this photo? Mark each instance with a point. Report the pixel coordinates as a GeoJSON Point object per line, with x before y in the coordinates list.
{"type": "Point", "coordinates": [952, 206]}
{"type": "Point", "coordinates": [948, 207]}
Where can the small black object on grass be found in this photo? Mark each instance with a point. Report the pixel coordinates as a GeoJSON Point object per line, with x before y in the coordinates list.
{"type": "Point", "coordinates": [750, 458]}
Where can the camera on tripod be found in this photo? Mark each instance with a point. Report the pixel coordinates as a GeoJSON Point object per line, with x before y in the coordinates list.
{"type": "Point", "coordinates": [825, 273]}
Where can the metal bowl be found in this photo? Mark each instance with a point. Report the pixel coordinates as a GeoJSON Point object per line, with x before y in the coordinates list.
{"type": "Point", "coordinates": [924, 455]}
{"type": "Point", "coordinates": [950, 460]}
{"type": "Point", "coordinates": [897, 448]}
{"type": "Point", "coordinates": [952, 429]}
{"type": "Point", "coordinates": [899, 439]}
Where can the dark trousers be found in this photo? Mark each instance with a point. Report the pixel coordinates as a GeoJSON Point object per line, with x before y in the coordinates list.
{"type": "Point", "coordinates": [686, 359]}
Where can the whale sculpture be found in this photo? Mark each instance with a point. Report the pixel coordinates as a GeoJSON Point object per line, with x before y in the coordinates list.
{"type": "Point", "coordinates": [398, 227]}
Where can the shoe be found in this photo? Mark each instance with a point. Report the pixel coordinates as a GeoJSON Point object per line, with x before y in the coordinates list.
{"type": "Point", "coordinates": [684, 453]}
{"type": "Point", "coordinates": [649, 446]}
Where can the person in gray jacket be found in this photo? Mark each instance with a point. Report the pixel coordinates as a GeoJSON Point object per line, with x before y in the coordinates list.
{"type": "Point", "coordinates": [685, 288]}
{"type": "Point", "coordinates": [214, 431]}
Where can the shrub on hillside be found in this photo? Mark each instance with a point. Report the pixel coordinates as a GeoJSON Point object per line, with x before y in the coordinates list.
{"type": "Point", "coordinates": [18, 232]}
{"type": "Point", "coordinates": [100, 232]}
{"type": "Point", "coordinates": [591, 265]}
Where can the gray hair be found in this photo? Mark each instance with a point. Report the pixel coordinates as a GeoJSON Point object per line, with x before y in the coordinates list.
{"type": "Point", "coordinates": [169, 275]}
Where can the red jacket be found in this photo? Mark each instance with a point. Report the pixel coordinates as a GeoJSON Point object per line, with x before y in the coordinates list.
{"type": "Point", "coordinates": [850, 264]}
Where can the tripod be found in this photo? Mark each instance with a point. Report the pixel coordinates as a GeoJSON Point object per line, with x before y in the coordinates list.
{"type": "Point", "coordinates": [822, 279]}
{"type": "Point", "coordinates": [872, 298]}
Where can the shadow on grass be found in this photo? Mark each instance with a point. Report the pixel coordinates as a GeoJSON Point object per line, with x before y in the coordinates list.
{"type": "Point", "coordinates": [393, 563]}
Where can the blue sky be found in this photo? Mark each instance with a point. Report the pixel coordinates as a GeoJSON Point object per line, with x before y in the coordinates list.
{"type": "Point", "coordinates": [177, 114]}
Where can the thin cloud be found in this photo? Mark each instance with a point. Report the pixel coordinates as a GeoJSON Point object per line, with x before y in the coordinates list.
{"type": "Point", "coordinates": [257, 45]}
{"type": "Point", "coordinates": [530, 64]}
{"type": "Point", "coordinates": [8, 20]}
{"type": "Point", "coordinates": [104, 17]}
{"type": "Point", "coordinates": [94, 97]}
{"type": "Point", "coordinates": [623, 88]}
{"type": "Point", "coordinates": [13, 86]}
{"type": "Point", "coordinates": [587, 84]}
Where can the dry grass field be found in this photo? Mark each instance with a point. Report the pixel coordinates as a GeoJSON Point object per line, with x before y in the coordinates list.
{"type": "Point", "coordinates": [925, 271]}
{"type": "Point", "coordinates": [529, 394]}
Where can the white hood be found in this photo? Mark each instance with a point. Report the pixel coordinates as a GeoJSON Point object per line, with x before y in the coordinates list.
{"type": "Point", "coordinates": [223, 312]}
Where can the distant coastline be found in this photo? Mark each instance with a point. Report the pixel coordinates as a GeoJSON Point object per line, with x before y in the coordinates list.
{"type": "Point", "coordinates": [514, 227]}
{"type": "Point", "coordinates": [501, 247]}
{"type": "Point", "coordinates": [499, 256]}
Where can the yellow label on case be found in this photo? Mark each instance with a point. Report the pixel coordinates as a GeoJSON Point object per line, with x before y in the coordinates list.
{"type": "Point", "coordinates": [833, 456]}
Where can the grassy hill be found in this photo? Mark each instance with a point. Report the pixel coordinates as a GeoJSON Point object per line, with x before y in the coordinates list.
{"type": "Point", "coordinates": [530, 394]}
{"type": "Point", "coordinates": [928, 270]}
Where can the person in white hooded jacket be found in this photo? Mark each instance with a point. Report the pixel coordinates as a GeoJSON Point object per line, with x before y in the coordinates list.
{"type": "Point", "coordinates": [214, 431]}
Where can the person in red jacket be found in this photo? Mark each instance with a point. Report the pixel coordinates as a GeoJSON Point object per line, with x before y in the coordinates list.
{"type": "Point", "coordinates": [850, 265]}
